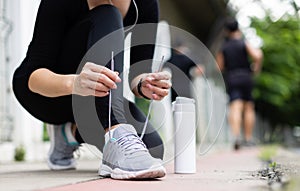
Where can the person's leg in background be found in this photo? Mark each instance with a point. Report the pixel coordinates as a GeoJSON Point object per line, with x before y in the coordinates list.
{"type": "Point", "coordinates": [235, 120]}
{"type": "Point", "coordinates": [249, 121]}
{"type": "Point", "coordinates": [248, 114]}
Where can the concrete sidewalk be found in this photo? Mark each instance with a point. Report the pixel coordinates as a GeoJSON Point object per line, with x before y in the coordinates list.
{"type": "Point", "coordinates": [221, 170]}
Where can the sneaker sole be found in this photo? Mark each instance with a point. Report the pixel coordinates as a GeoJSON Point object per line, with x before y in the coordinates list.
{"type": "Point", "coordinates": [52, 143]}
{"type": "Point", "coordinates": [52, 166]}
{"type": "Point", "coordinates": [120, 174]}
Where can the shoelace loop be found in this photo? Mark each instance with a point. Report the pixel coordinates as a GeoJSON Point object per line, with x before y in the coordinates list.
{"type": "Point", "coordinates": [131, 144]}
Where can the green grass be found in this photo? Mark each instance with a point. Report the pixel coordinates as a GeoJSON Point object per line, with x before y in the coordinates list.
{"type": "Point", "coordinates": [268, 152]}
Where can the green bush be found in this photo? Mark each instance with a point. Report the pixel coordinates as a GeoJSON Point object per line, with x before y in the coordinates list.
{"type": "Point", "coordinates": [277, 91]}
{"type": "Point", "coordinates": [20, 153]}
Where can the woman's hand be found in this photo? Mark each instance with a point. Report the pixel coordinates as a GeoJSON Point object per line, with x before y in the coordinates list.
{"type": "Point", "coordinates": [95, 80]}
{"type": "Point", "coordinates": [156, 85]}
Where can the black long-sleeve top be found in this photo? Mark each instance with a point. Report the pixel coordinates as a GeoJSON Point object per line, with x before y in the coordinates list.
{"type": "Point", "coordinates": [56, 17]}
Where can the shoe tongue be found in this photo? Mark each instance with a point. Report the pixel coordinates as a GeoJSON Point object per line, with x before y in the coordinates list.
{"type": "Point", "coordinates": [123, 130]}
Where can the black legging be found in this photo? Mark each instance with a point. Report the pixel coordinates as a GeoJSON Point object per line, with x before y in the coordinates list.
{"type": "Point", "coordinates": [98, 23]}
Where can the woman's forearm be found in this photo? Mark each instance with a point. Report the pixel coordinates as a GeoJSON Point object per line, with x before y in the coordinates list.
{"type": "Point", "coordinates": [50, 84]}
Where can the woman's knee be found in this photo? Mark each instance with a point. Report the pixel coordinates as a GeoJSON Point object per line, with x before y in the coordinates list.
{"type": "Point", "coordinates": [106, 16]}
{"type": "Point", "coordinates": [106, 34]}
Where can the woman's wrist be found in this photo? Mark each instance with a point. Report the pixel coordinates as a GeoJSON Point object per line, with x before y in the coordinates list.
{"type": "Point", "coordinates": [69, 83]}
{"type": "Point", "coordinates": [139, 89]}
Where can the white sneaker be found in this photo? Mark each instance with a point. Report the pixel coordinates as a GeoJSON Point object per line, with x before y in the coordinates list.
{"type": "Point", "coordinates": [125, 156]}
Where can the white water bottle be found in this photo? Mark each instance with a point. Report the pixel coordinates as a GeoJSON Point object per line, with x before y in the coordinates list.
{"type": "Point", "coordinates": [185, 135]}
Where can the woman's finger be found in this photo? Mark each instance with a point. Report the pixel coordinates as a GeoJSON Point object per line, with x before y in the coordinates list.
{"type": "Point", "coordinates": [102, 78]}
{"type": "Point", "coordinates": [157, 97]}
{"type": "Point", "coordinates": [157, 90]}
{"type": "Point", "coordinates": [100, 93]}
{"type": "Point", "coordinates": [99, 87]}
{"type": "Point", "coordinates": [103, 70]}
{"type": "Point", "coordinates": [96, 93]}
{"type": "Point", "coordinates": [161, 83]}
{"type": "Point", "coordinates": [161, 75]}
{"type": "Point", "coordinates": [98, 77]}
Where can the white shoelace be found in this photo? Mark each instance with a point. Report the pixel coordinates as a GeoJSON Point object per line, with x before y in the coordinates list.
{"type": "Point", "coordinates": [131, 144]}
{"type": "Point", "coordinates": [151, 102]}
{"type": "Point", "coordinates": [112, 66]}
